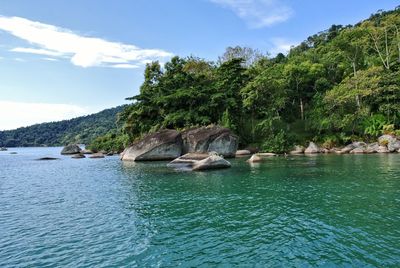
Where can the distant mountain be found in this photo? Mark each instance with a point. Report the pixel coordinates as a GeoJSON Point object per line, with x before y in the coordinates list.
{"type": "Point", "coordinates": [77, 130]}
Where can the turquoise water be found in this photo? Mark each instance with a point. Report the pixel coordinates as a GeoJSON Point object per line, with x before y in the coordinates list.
{"type": "Point", "coordinates": [287, 212]}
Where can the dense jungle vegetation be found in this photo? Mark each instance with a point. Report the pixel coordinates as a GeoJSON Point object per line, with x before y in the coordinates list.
{"type": "Point", "coordinates": [339, 85]}
{"type": "Point", "coordinates": [78, 130]}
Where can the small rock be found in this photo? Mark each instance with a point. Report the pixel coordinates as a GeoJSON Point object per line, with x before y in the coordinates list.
{"type": "Point", "coordinates": [211, 162]}
{"type": "Point", "coordinates": [86, 151]}
{"type": "Point", "coordinates": [97, 155]}
{"type": "Point", "coordinates": [242, 152]}
{"type": "Point", "coordinates": [47, 158]}
{"type": "Point", "coordinates": [3, 149]}
{"type": "Point", "coordinates": [266, 154]}
{"type": "Point", "coordinates": [13, 152]}
{"type": "Point", "coordinates": [358, 151]}
{"type": "Point", "coordinates": [78, 156]}
{"type": "Point", "coordinates": [312, 149]}
{"type": "Point", "coordinates": [255, 159]}
{"type": "Point", "coordinates": [110, 154]}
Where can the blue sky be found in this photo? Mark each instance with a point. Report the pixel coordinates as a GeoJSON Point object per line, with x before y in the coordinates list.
{"type": "Point", "coordinates": [60, 59]}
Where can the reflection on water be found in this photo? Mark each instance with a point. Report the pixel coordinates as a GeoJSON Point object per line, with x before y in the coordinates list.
{"type": "Point", "coordinates": [323, 210]}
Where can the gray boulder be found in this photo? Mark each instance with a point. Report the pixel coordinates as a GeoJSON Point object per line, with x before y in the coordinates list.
{"type": "Point", "coordinates": [211, 162]}
{"type": "Point", "coordinates": [71, 149]}
{"type": "Point", "coordinates": [312, 149]}
{"type": "Point", "coordinates": [372, 148]}
{"type": "Point", "coordinates": [188, 159]}
{"type": "Point", "coordinates": [162, 145]}
{"type": "Point", "coordinates": [210, 139]}
{"type": "Point", "coordinates": [390, 142]}
{"type": "Point", "coordinates": [97, 155]}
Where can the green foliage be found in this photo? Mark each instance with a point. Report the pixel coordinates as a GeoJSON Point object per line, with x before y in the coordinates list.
{"type": "Point", "coordinates": [325, 89]}
{"type": "Point", "coordinates": [110, 142]}
{"type": "Point", "coordinates": [279, 142]}
{"type": "Point", "coordinates": [81, 130]}
{"type": "Point", "coordinates": [374, 125]}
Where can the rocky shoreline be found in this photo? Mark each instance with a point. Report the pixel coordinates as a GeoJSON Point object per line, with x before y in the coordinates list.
{"type": "Point", "coordinates": [207, 147]}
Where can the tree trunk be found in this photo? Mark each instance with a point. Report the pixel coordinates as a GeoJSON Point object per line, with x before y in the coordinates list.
{"type": "Point", "coordinates": [302, 109]}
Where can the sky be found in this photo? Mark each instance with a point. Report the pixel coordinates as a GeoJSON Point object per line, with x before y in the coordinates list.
{"type": "Point", "coordinates": [66, 58]}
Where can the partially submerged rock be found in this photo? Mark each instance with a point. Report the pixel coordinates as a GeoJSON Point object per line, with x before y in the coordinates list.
{"type": "Point", "coordinates": [47, 158]}
{"type": "Point", "coordinates": [97, 155]}
{"type": "Point", "coordinates": [3, 149]}
{"type": "Point", "coordinates": [266, 154]}
{"type": "Point", "coordinates": [71, 149]}
{"type": "Point", "coordinates": [255, 159]}
{"type": "Point", "coordinates": [210, 139]}
{"type": "Point", "coordinates": [211, 162]}
{"type": "Point", "coordinates": [163, 145]}
{"type": "Point", "coordinates": [188, 159]}
{"type": "Point", "coordinates": [242, 152]}
{"type": "Point", "coordinates": [86, 151]}
{"type": "Point", "coordinates": [312, 149]}
{"type": "Point", "coordinates": [78, 156]}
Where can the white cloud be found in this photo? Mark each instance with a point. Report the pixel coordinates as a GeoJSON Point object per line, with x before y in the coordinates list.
{"type": "Point", "coordinates": [125, 66]}
{"type": "Point", "coordinates": [280, 45]}
{"type": "Point", "coordinates": [84, 51]}
{"type": "Point", "coordinates": [18, 114]}
{"type": "Point", "coordinates": [50, 59]}
{"type": "Point", "coordinates": [36, 51]}
{"type": "Point", "coordinates": [258, 13]}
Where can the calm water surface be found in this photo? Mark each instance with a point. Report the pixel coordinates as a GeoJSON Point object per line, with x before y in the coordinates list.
{"type": "Point", "coordinates": [320, 211]}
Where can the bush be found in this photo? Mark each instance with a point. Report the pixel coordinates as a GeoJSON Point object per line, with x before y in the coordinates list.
{"type": "Point", "coordinates": [278, 143]}
{"type": "Point", "coordinates": [110, 142]}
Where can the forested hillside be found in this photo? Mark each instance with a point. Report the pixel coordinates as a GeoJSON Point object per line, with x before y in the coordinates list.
{"type": "Point", "coordinates": [339, 85]}
{"type": "Point", "coordinates": [78, 130]}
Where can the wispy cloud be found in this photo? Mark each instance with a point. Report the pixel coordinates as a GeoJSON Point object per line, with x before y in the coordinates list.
{"type": "Point", "coordinates": [258, 13]}
{"type": "Point", "coordinates": [84, 51]}
{"type": "Point", "coordinates": [25, 114]}
{"type": "Point", "coordinates": [280, 45]}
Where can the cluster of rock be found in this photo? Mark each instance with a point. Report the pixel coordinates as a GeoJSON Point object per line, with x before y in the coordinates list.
{"type": "Point", "coordinates": [206, 147]}
{"type": "Point", "coordinates": [77, 153]}
{"type": "Point", "coordinates": [200, 161]}
{"type": "Point", "coordinates": [385, 144]}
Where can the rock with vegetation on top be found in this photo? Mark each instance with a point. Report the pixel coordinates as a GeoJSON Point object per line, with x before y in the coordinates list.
{"type": "Point", "coordinates": [162, 145]}
{"type": "Point", "coordinates": [209, 139]}
{"type": "Point", "coordinates": [390, 142]}
{"type": "Point", "coordinates": [312, 149]}
{"type": "Point", "coordinates": [71, 149]}
{"type": "Point", "coordinates": [242, 152]}
{"type": "Point", "coordinates": [211, 162]}
{"type": "Point", "coordinates": [255, 158]}
{"type": "Point", "coordinates": [297, 150]}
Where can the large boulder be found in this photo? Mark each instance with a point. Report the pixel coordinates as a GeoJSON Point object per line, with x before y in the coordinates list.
{"type": "Point", "coordinates": [390, 142]}
{"type": "Point", "coordinates": [312, 149]}
{"type": "Point", "coordinates": [211, 162]}
{"type": "Point", "coordinates": [162, 145]}
{"type": "Point", "coordinates": [210, 139]}
{"type": "Point", "coordinates": [71, 149]}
